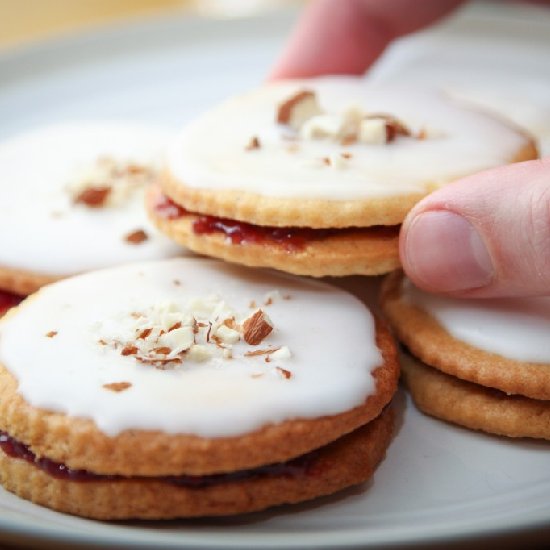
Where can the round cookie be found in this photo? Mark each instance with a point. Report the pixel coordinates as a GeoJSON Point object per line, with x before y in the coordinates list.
{"type": "Point", "coordinates": [322, 154]}
{"type": "Point", "coordinates": [500, 343]}
{"type": "Point", "coordinates": [71, 200]}
{"type": "Point", "coordinates": [474, 406]}
{"type": "Point", "coordinates": [215, 368]}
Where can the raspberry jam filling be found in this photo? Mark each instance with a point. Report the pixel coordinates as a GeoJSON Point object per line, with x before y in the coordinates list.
{"type": "Point", "coordinates": [297, 467]}
{"type": "Point", "coordinates": [291, 238]}
{"type": "Point", "coordinates": [8, 300]}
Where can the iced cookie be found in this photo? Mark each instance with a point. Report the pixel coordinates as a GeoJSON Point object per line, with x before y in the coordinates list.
{"type": "Point", "coordinates": [200, 388]}
{"type": "Point", "coordinates": [473, 406]}
{"type": "Point", "coordinates": [71, 200]}
{"type": "Point", "coordinates": [501, 343]}
{"type": "Point", "coordinates": [314, 177]}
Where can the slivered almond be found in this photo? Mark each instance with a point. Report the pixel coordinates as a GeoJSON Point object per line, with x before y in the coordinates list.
{"type": "Point", "coordinates": [117, 386]}
{"type": "Point", "coordinates": [260, 352]}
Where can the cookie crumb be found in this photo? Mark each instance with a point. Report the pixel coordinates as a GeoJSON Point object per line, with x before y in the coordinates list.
{"type": "Point", "coordinates": [298, 108]}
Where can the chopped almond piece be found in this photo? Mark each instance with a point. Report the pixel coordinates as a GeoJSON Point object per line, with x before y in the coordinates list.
{"type": "Point", "coordinates": [230, 323]}
{"type": "Point", "coordinates": [93, 197]}
{"type": "Point", "coordinates": [256, 352]}
{"type": "Point", "coordinates": [136, 237]}
{"type": "Point", "coordinates": [298, 109]}
{"type": "Point", "coordinates": [117, 386]}
{"type": "Point", "coordinates": [256, 327]}
{"type": "Point", "coordinates": [144, 333]}
{"type": "Point", "coordinates": [129, 350]}
{"type": "Point", "coordinates": [254, 143]}
{"type": "Point", "coordinates": [284, 373]}
{"type": "Point", "coordinates": [51, 334]}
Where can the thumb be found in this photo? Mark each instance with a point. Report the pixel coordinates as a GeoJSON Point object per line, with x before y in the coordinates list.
{"type": "Point", "coordinates": [486, 235]}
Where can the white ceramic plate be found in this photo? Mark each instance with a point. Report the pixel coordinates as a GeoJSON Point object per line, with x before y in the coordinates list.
{"type": "Point", "coordinates": [439, 483]}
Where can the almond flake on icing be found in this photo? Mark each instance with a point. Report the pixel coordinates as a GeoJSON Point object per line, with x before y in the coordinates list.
{"type": "Point", "coordinates": [286, 374]}
{"type": "Point", "coordinates": [257, 327]}
{"type": "Point", "coordinates": [109, 182]}
{"type": "Point", "coordinates": [372, 130]}
{"type": "Point", "coordinates": [321, 126]}
{"type": "Point", "coordinates": [282, 353]}
{"type": "Point", "coordinates": [166, 335]}
{"type": "Point", "coordinates": [227, 335]}
{"type": "Point", "coordinates": [298, 109]}
{"type": "Point", "coordinates": [117, 386]}
{"type": "Point", "coordinates": [254, 143]}
{"type": "Point", "coordinates": [136, 237]}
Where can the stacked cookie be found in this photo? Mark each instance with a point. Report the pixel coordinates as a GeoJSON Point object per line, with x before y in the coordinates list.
{"type": "Point", "coordinates": [315, 177]}
{"type": "Point", "coordinates": [192, 387]}
{"type": "Point", "coordinates": [188, 388]}
{"type": "Point", "coordinates": [485, 363]}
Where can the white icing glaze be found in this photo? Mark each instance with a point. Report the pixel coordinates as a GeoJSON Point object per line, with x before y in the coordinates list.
{"type": "Point", "coordinates": [211, 152]}
{"type": "Point", "coordinates": [331, 335]}
{"type": "Point", "coordinates": [515, 328]}
{"type": "Point", "coordinates": [41, 230]}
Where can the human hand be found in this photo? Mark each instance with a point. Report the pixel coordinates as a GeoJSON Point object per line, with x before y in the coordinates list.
{"type": "Point", "coordinates": [486, 235]}
{"type": "Point", "coordinates": [347, 36]}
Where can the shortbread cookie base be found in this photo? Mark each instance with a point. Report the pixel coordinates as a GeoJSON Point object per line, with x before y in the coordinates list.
{"type": "Point", "coordinates": [79, 444]}
{"type": "Point", "coordinates": [304, 212]}
{"type": "Point", "coordinates": [348, 461]}
{"type": "Point", "coordinates": [428, 340]}
{"type": "Point", "coordinates": [23, 282]}
{"type": "Point", "coordinates": [353, 253]}
{"type": "Point", "coordinates": [473, 406]}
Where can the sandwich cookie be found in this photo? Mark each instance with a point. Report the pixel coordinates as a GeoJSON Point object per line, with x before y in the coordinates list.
{"type": "Point", "coordinates": [71, 201]}
{"type": "Point", "coordinates": [487, 362]}
{"type": "Point", "coordinates": [189, 387]}
{"type": "Point", "coordinates": [314, 177]}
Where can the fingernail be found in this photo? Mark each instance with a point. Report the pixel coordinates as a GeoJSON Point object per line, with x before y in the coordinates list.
{"type": "Point", "coordinates": [444, 252]}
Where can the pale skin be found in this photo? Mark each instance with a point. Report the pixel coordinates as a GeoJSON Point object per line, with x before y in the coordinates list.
{"type": "Point", "coordinates": [486, 235]}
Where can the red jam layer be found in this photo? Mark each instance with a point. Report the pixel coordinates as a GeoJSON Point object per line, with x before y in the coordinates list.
{"type": "Point", "coordinates": [291, 238]}
{"type": "Point", "coordinates": [8, 300]}
{"type": "Point", "coordinates": [297, 467]}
